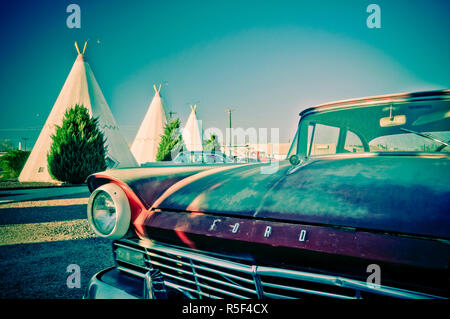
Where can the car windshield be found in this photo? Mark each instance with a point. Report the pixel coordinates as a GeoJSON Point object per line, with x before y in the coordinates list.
{"type": "Point", "coordinates": [201, 157]}
{"type": "Point", "coordinates": [422, 127]}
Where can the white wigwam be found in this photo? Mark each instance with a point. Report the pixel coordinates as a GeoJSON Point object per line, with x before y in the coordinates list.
{"type": "Point", "coordinates": [145, 145]}
{"type": "Point", "coordinates": [80, 88]}
{"type": "Point", "coordinates": [192, 132]}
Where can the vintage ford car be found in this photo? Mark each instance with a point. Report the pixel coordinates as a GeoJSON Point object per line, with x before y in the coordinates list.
{"type": "Point", "coordinates": [360, 210]}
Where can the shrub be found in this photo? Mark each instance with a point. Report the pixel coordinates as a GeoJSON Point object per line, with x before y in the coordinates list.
{"type": "Point", "coordinates": [171, 141]}
{"type": "Point", "coordinates": [6, 145]}
{"type": "Point", "coordinates": [78, 148]}
{"type": "Point", "coordinates": [212, 145]}
{"type": "Point", "coordinates": [12, 163]}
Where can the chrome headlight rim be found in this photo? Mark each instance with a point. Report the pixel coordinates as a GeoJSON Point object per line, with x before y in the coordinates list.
{"type": "Point", "coordinates": [122, 211]}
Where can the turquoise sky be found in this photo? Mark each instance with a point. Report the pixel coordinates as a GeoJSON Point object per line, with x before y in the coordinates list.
{"type": "Point", "coordinates": [266, 60]}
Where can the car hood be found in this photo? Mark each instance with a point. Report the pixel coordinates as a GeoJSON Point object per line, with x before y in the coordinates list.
{"type": "Point", "coordinates": [399, 194]}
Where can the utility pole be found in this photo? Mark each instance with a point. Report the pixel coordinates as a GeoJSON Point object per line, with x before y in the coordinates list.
{"type": "Point", "coordinates": [171, 114]}
{"type": "Point", "coordinates": [230, 136]}
{"type": "Point", "coordinates": [25, 142]}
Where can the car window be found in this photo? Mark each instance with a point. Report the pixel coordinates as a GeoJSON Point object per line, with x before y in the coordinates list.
{"type": "Point", "coordinates": [322, 139]}
{"type": "Point", "coordinates": [413, 126]}
{"type": "Point", "coordinates": [293, 147]}
{"type": "Point", "coordinates": [353, 143]}
{"type": "Point", "coordinates": [214, 158]}
{"type": "Point", "coordinates": [196, 158]}
{"type": "Point", "coordinates": [409, 143]}
{"type": "Point", "coordinates": [180, 158]}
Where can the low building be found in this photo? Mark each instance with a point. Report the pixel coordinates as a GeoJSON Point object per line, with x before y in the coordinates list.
{"type": "Point", "coordinates": [277, 151]}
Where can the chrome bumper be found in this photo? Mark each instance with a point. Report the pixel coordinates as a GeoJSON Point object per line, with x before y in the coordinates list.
{"type": "Point", "coordinates": [112, 283]}
{"type": "Point", "coordinates": [102, 287]}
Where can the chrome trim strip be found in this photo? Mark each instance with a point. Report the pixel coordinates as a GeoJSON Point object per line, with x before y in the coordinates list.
{"type": "Point", "coordinates": [130, 248]}
{"type": "Point", "coordinates": [132, 272]}
{"type": "Point", "coordinates": [172, 285]}
{"type": "Point", "coordinates": [202, 258]}
{"type": "Point", "coordinates": [200, 267]}
{"type": "Point", "coordinates": [227, 284]}
{"type": "Point", "coordinates": [152, 254]}
{"type": "Point", "coordinates": [372, 154]}
{"type": "Point", "coordinates": [343, 282]}
{"type": "Point", "coordinates": [206, 286]}
{"type": "Point", "coordinates": [172, 268]}
{"type": "Point", "coordinates": [308, 291]}
{"type": "Point", "coordinates": [385, 290]}
{"type": "Point", "coordinates": [195, 276]}
{"type": "Point", "coordinates": [257, 280]}
{"type": "Point", "coordinates": [134, 265]}
{"type": "Point", "coordinates": [168, 283]}
{"type": "Point", "coordinates": [292, 274]}
{"type": "Point", "coordinates": [196, 279]}
{"type": "Point", "coordinates": [401, 98]}
{"type": "Point", "coordinates": [225, 274]}
{"type": "Point", "coordinates": [276, 296]}
{"type": "Point", "coordinates": [258, 273]}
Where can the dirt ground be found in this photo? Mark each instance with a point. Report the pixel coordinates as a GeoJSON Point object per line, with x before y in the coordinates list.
{"type": "Point", "coordinates": [39, 239]}
{"type": "Point", "coordinates": [14, 184]}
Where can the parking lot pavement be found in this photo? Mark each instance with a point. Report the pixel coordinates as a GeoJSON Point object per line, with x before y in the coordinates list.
{"type": "Point", "coordinates": [39, 270]}
{"type": "Point", "coordinates": [42, 232]}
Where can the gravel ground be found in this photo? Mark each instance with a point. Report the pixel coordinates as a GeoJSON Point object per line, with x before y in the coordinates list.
{"type": "Point", "coordinates": [14, 184]}
{"type": "Point", "coordinates": [39, 240]}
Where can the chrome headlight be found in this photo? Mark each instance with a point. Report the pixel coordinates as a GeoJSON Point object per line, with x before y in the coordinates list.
{"type": "Point", "coordinates": [109, 211]}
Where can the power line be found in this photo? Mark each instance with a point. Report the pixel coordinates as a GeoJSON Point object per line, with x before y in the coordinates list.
{"type": "Point", "coordinates": [20, 129]}
{"type": "Point", "coordinates": [25, 142]}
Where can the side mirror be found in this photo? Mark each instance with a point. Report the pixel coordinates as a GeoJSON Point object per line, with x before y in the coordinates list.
{"type": "Point", "coordinates": [294, 160]}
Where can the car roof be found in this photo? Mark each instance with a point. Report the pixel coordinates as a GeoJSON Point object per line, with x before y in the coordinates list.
{"type": "Point", "coordinates": [380, 99]}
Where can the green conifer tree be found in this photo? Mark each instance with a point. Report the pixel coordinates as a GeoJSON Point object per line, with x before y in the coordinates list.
{"type": "Point", "coordinates": [171, 141]}
{"type": "Point", "coordinates": [78, 148]}
{"type": "Point", "coordinates": [12, 163]}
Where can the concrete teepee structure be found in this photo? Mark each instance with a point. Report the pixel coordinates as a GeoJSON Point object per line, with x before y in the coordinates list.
{"type": "Point", "coordinates": [80, 88]}
{"type": "Point", "coordinates": [145, 145]}
{"type": "Point", "coordinates": [193, 132]}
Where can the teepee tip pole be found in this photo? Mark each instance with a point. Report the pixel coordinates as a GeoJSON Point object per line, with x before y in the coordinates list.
{"type": "Point", "coordinates": [76, 46]}
{"type": "Point", "coordinates": [84, 49]}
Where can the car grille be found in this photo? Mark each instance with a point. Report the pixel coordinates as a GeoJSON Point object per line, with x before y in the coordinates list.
{"type": "Point", "coordinates": [199, 276]}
